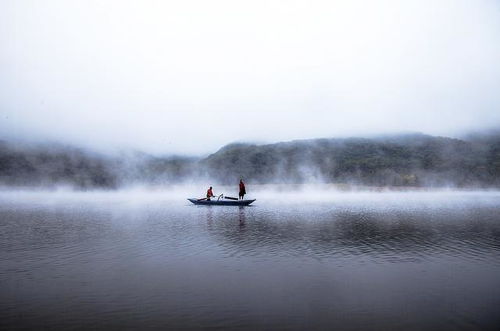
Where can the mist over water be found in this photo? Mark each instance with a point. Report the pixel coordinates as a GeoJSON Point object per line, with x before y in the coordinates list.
{"type": "Point", "coordinates": [367, 131]}
{"type": "Point", "coordinates": [300, 258]}
{"type": "Point", "coordinates": [402, 161]}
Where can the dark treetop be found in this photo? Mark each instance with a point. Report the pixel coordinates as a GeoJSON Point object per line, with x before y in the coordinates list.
{"type": "Point", "coordinates": [402, 160]}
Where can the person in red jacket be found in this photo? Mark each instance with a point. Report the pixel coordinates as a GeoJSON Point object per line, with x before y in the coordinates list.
{"type": "Point", "coordinates": [242, 189]}
{"type": "Point", "coordinates": [210, 193]}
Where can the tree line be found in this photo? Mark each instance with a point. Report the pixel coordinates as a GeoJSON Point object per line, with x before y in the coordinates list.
{"type": "Point", "coordinates": [401, 160]}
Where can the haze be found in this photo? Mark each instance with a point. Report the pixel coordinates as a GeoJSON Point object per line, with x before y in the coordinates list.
{"type": "Point", "coordinates": [187, 77]}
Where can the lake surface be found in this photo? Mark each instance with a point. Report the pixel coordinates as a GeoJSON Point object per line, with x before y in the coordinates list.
{"type": "Point", "coordinates": [345, 261]}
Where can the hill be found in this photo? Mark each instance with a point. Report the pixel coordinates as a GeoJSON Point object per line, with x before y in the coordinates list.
{"type": "Point", "coordinates": [400, 160]}
{"type": "Point", "coordinates": [413, 160]}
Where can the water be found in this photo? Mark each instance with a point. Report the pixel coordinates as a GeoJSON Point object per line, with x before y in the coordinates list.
{"type": "Point", "coordinates": [370, 261]}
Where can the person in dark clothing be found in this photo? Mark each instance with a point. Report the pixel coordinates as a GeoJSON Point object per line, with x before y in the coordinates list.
{"type": "Point", "coordinates": [210, 193]}
{"type": "Point", "coordinates": [242, 189]}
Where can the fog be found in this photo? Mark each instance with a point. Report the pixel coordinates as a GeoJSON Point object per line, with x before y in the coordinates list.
{"type": "Point", "coordinates": [378, 198]}
{"type": "Point", "coordinates": [367, 134]}
{"type": "Point", "coordinates": [189, 77]}
{"type": "Point", "coordinates": [401, 161]}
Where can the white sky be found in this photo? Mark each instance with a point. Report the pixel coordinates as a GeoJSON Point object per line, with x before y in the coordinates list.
{"type": "Point", "coordinates": [190, 76]}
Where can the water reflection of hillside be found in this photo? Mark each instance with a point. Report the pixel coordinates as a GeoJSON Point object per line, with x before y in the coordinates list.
{"type": "Point", "coordinates": [395, 235]}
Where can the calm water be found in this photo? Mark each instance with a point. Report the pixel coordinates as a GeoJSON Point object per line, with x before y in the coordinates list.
{"type": "Point", "coordinates": [370, 261]}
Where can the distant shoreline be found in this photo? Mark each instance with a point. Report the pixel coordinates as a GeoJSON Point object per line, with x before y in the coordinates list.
{"type": "Point", "coordinates": [405, 162]}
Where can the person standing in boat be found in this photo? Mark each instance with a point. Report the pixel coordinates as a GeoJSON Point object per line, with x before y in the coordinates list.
{"type": "Point", "coordinates": [242, 190]}
{"type": "Point", "coordinates": [210, 194]}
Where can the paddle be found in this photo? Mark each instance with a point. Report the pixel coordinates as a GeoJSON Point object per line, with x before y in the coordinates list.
{"type": "Point", "coordinates": [231, 198]}
{"type": "Point", "coordinates": [201, 199]}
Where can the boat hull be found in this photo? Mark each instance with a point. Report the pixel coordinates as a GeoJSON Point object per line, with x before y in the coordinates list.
{"type": "Point", "coordinates": [221, 202]}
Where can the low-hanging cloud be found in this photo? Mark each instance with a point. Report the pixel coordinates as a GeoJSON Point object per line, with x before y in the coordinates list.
{"type": "Point", "coordinates": [187, 77]}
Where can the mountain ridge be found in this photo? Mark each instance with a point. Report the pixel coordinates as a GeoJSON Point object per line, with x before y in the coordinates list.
{"type": "Point", "coordinates": [410, 159]}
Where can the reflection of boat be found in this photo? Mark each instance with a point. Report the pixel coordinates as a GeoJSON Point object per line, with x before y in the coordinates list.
{"type": "Point", "coordinates": [221, 202]}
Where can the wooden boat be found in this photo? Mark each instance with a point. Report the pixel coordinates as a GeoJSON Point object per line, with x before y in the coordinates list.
{"type": "Point", "coordinates": [221, 202]}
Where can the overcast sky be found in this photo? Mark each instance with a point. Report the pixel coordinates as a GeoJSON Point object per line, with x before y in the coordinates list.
{"type": "Point", "coordinates": [190, 76]}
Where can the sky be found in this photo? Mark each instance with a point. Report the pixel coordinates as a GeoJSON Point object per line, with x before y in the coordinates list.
{"type": "Point", "coordinates": [187, 77]}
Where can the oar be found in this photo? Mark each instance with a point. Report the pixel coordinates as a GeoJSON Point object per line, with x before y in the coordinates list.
{"type": "Point", "coordinates": [231, 198]}
{"type": "Point", "coordinates": [201, 199]}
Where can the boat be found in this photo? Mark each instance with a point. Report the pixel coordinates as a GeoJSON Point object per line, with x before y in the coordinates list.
{"type": "Point", "coordinates": [221, 202]}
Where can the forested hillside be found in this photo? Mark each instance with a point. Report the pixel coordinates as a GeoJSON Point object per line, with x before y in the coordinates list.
{"type": "Point", "coordinates": [414, 160]}
{"type": "Point", "coordinates": [55, 165]}
{"type": "Point", "coordinates": [404, 160]}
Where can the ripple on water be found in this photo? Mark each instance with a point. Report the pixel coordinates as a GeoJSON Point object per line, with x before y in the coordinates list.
{"type": "Point", "coordinates": [372, 262]}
